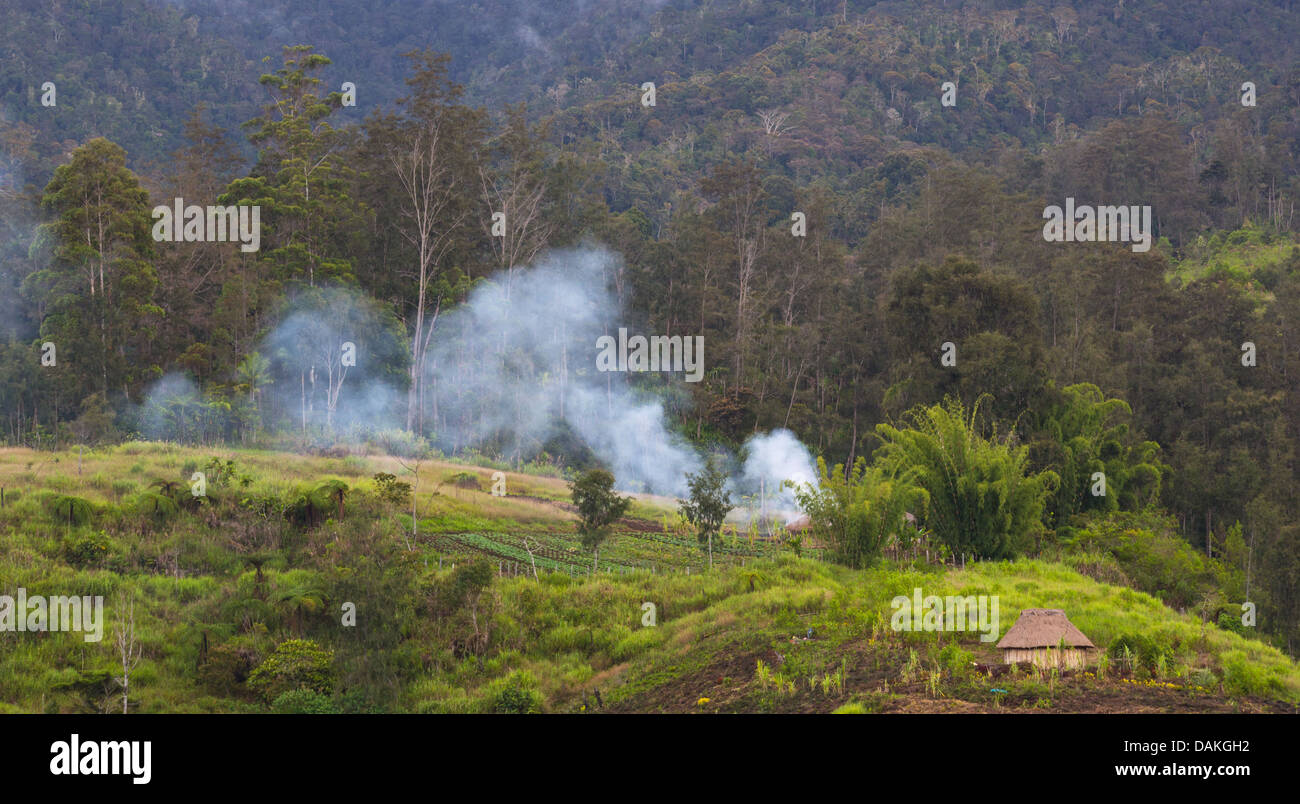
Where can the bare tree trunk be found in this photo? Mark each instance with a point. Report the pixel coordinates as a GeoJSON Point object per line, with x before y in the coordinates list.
{"type": "Point", "coordinates": [129, 651]}
{"type": "Point", "coordinates": [532, 559]}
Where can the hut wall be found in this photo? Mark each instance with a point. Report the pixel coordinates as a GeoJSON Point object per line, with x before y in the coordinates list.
{"type": "Point", "coordinates": [1048, 657]}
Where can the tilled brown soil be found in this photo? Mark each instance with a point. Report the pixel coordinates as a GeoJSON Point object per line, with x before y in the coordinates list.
{"type": "Point", "coordinates": [729, 684]}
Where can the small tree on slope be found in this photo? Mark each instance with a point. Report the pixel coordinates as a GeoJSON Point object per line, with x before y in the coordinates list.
{"type": "Point", "coordinates": [708, 504]}
{"type": "Point", "coordinates": [599, 508]}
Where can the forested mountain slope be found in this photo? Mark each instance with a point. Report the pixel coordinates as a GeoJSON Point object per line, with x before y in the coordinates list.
{"type": "Point", "coordinates": [852, 251]}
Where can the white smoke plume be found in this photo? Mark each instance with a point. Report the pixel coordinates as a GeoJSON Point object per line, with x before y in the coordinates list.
{"type": "Point", "coordinates": [511, 371]}
{"type": "Point", "coordinates": [171, 409]}
{"type": "Point", "coordinates": [771, 459]}
{"type": "Point", "coordinates": [516, 366]}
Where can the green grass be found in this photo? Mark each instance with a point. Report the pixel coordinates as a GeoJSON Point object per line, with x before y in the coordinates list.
{"type": "Point", "coordinates": [218, 588]}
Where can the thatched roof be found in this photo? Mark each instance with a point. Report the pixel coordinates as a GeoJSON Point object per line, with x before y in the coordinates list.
{"type": "Point", "coordinates": [1044, 628]}
{"type": "Point", "coordinates": [801, 524]}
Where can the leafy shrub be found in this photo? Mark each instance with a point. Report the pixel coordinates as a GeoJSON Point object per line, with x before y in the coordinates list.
{"type": "Point", "coordinates": [220, 474]}
{"type": "Point", "coordinates": [956, 660]}
{"type": "Point", "coordinates": [516, 694]}
{"type": "Point", "coordinates": [1202, 677]}
{"type": "Point", "coordinates": [303, 702]}
{"type": "Point", "coordinates": [392, 490]}
{"type": "Point", "coordinates": [1139, 651]}
{"type": "Point", "coordinates": [227, 669]}
{"type": "Point", "coordinates": [1243, 677]}
{"type": "Point", "coordinates": [93, 549]}
{"type": "Point", "coordinates": [295, 664]}
{"type": "Point", "coordinates": [464, 480]}
{"type": "Point", "coordinates": [1231, 622]}
{"type": "Point", "coordinates": [266, 506]}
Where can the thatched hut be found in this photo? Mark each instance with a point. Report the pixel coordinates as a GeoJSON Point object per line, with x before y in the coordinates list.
{"type": "Point", "coordinates": [1047, 638]}
{"type": "Point", "coordinates": [801, 525]}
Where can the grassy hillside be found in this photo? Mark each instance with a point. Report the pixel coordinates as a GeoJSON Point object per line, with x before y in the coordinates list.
{"type": "Point", "coordinates": [264, 560]}
{"type": "Point", "coordinates": [1246, 254]}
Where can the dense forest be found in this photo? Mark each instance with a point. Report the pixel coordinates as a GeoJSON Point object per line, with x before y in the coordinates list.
{"type": "Point", "coordinates": [862, 261]}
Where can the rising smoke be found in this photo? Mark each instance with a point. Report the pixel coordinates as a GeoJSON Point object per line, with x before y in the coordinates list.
{"type": "Point", "coordinates": [511, 371]}
{"type": "Point", "coordinates": [770, 459]}
{"type": "Point", "coordinates": [516, 365]}
{"type": "Point", "coordinates": [170, 409]}
{"type": "Point", "coordinates": [518, 360]}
